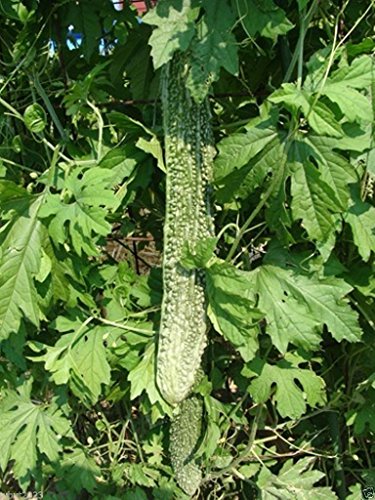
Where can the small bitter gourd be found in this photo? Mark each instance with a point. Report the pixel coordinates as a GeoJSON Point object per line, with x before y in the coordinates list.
{"type": "Point", "coordinates": [184, 437]}
{"type": "Point", "coordinates": [189, 155]}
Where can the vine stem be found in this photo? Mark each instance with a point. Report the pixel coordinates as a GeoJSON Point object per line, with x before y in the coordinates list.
{"type": "Point", "coordinates": [247, 451]}
{"type": "Point", "coordinates": [40, 90]}
{"type": "Point", "coordinates": [124, 327]}
{"type": "Point", "coordinates": [278, 176]}
{"type": "Point", "coordinates": [334, 50]}
{"type": "Point", "coordinates": [301, 41]}
{"type": "Point", "coordinates": [100, 128]}
{"type": "Point", "coordinates": [305, 21]}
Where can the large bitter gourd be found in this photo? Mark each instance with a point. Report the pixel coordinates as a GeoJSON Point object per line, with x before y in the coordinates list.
{"type": "Point", "coordinates": [189, 155]}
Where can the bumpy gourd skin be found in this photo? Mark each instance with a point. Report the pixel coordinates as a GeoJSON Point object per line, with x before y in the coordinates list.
{"type": "Point", "coordinates": [189, 156]}
{"type": "Point", "coordinates": [184, 437]}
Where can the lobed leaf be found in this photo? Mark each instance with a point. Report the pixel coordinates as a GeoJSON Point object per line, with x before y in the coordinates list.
{"type": "Point", "coordinates": [279, 383]}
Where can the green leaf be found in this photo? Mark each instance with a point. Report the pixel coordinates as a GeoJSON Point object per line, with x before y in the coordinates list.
{"type": "Point", "coordinates": [35, 118]}
{"type": "Point", "coordinates": [263, 17]}
{"type": "Point", "coordinates": [215, 48]}
{"type": "Point", "coordinates": [121, 161]}
{"type": "Point", "coordinates": [199, 255]}
{"type": "Point", "coordinates": [353, 104]}
{"type": "Point", "coordinates": [19, 263]}
{"type": "Point", "coordinates": [242, 182]}
{"type": "Point", "coordinates": [80, 470]}
{"type": "Point", "coordinates": [313, 200]}
{"type": "Point", "coordinates": [135, 494]}
{"type": "Point", "coordinates": [13, 9]}
{"type": "Point", "coordinates": [322, 120]}
{"type": "Point", "coordinates": [174, 21]}
{"type": "Point", "coordinates": [358, 75]}
{"type": "Point", "coordinates": [297, 306]}
{"type": "Point", "coordinates": [295, 481]}
{"type": "Point", "coordinates": [336, 171]}
{"type": "Point", "coordinates": [302, 4]}
{"type": "Point", "coordinates": [236, 150]}
{"type": "Point", "coordinates": [83, 208]}
{"type": "Point", "coordinates": [29, 429]}
{"type": "Point", "coordinates": [319, 116]}
{"type": "Point", "coordinates": [78, 358]}
{"type": "Point", "coordinates": [361, 218]}
{"type": "Point", "coordinates": [232, 307]}
{"type": "Point", "coordinates": [278, 381]}
{"type": "Point", "coordinates": [142, 378]}
{"type": "Point", "coordinates": [153, 147]}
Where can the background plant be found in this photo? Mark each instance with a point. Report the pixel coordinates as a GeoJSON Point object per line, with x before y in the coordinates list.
{"type": "Point", "coordinates": [289, 394]}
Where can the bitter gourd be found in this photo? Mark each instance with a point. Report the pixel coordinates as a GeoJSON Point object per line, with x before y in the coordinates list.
{"type": "Point", "coordinates": [184, 436]}
{"type": "Point", "coordinates": [189, 155]}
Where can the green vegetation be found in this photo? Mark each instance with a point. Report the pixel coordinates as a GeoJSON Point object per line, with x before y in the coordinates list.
{"type": "Point", "coordinates": [187, 246]}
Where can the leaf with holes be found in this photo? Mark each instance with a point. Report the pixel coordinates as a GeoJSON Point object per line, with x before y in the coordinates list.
{"type": "Point", "coordinates": [29, 429]}
{"type": "Point", "coordinates": [77, 358]}
{"type": "Point", "coordinates": [279, 382]}
{"type": "Point", "coordinates": [81, 210]}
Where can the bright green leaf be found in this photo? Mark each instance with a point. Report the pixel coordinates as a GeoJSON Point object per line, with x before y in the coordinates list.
{"type": "Point", "coordinates": [84, 212]}
{"type": "Point", "coordinates": [290, 399]}
{"type": "Point", "coordinates": [236, 150]}
{"type": "Point", "coordinates": [122, 162]}
{"type": "Point", "coordinates": [313, 201]}
{"type": "Point", "coordinates": [142, 378]}
{"type": "Point", "coordinates": [297, 306]}
{"type": "Point", "coordinates": [295, 481]}
{"type": "Point", "coordinates": [232, 307]}
{"type": "Point", "coordinates": [174, 21]}
{"type": "Point", "coordinates": [361, 218]}
{"type": "Point", "coordinates": [153, 147]}
{"type": "Point", "coordinates": [353, 104]}
{"type": "Point", "coordinates": [28, 429]}
{"type": "Point", "coordinates": [199, 255]}
{"type": "Point", "coordinates": [78, 358]}
{"type": "Point", "coordinates": [242, 182]}
{"type": "Point", "coordinates": [19, 263]}
{"type": "Point", "coordinates": [358, 75]}
{"type": "Point", "coordinates": [336, 171]}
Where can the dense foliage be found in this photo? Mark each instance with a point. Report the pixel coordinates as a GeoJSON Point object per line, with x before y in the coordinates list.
{"type": "Point", "coordinates": [288, 387]}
